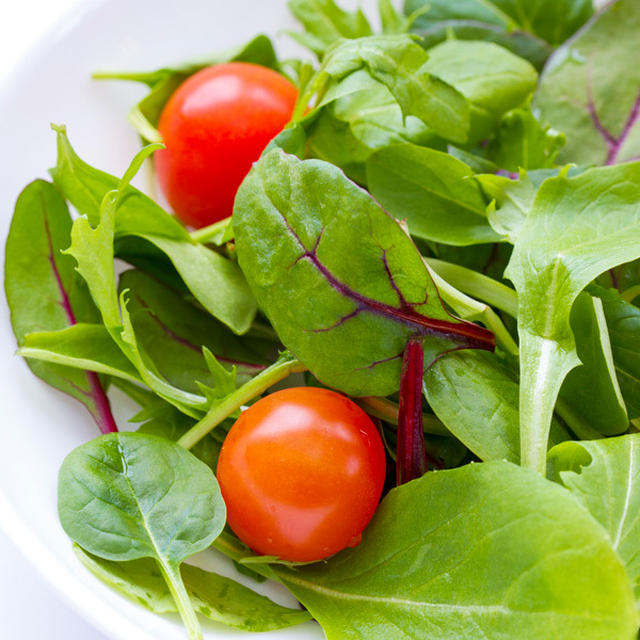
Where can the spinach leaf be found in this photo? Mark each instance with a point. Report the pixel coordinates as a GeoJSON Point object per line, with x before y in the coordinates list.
{"type": "Point", "coordinates": [605, 477]}
{"type": "Point", "coordinates": [552, 20]}
{"type": "Point", "coordinates": [623, 321]}
{"type": "Point", "coordinates": [216, 597]}
{"type": "Point", "coordinates": [164, 82]}
{"type": "Point", "coordinates": [476, 397]}
{"type": "Point", "coordinates": [45, 294]}
{"type": "Point", "coordinates": [590, 88]}
{"type": "Point", "coordinates": [325, 23]}
{"type": "Point", "coordinates": [576, 229]}
{"type": "Point", "coordinates": [128, 496]}
{"type": "Point", "coordinates": [485, 551]}
{"type": "Point", "coordinates": [216, 282]}
{"type": "Point", "coordinates": [591, 389]}
{"type": "Point", "coordinates": [347, 315]}
{"type": "Point", "coordinates": [433, 191]}
{"type": "Point", "coordinates": [492, 79]}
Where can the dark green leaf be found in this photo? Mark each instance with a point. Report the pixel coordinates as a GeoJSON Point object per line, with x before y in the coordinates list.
{"type": "Point", "coordinates": [346, 315]}
{"type": "Point", "coordinates": [485, 551]}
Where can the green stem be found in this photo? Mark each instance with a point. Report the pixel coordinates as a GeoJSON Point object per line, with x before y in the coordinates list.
{"type": "Point", "coordinates": [631, 293]}
{"type": "Point", "coordinates": [180, 596]}
{"type": "Point", "coordinates": [387, 410]}
{"type": "Point", "coordinates": [478, 285]}
{"type": "Point", "coordinates": [207, 233]}
{"type": "Point", "coordinates": [575, 422]}
{"type": "Point", "coordinates": [256, 386]}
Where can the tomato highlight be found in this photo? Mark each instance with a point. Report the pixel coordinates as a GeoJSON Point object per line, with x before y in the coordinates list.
{"type": "Point", "coordinates": [214, 126]}
{"type": "Point", "coordinates": [301, 472]}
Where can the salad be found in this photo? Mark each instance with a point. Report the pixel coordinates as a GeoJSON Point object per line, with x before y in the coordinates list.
{"type": "Point", "coordinates": [387, 349]}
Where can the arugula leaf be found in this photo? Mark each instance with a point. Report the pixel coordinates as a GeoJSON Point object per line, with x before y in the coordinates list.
{"type": "Point", "coordinates": [623, 322]}
{"type": "Point", "coordinates": [164, 82]}
{"type": "Point", "coordinates": [493, 80]}
{"type": "Point", "coordinates": [325, 23]}
{"type": "Point", "coordinates": [488, 550]}
{"type": "Point", "coordinates": [590, 88]}
{"type": "Point", "coordinates": [433, 191]}
{"type": "Point", "coordinates": [216, 282]}
{"type": "Point", "coordinates": [604, 475]}
{"type": "Point", "coordinates": [346, 315]}
{"type": "Point", "coordinates": [576, 229]}
{"type": "Point", "coordinates": [127, 496]}
{"type": "Point", "coordinates": [218, 598]}
{"type": "Point", "coordinates": [592, 389]}
{"type": "Point", "coordinates": [45, 294]}
{"type": "Point", "coordinates": [552, 20]}
{"type": "Point", "coordinates": [476, 397]}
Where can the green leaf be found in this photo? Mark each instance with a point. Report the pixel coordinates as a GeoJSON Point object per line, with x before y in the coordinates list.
{"type": "Point", "coordinates": [346, 315]}
{"type": "Point", "coordinates": [522, 142]}
{"type": "Point", "coordinates": [485, 551]}
{"type": "Point", "coordinates": [216, 282]}
{"type": "Point", "coordinates": [127, 496]}
{"type": "Point", "coordinates": [623, 322]}
{"type": "Point", "coordinates": [218, 598]}
{"type": "Point", "coordinates": [493, 80]}
{"type": "Point", "coordinates": [164, 82]}
{"type": "Point", "coordinates": [552, 20]}
{"type": "Point", "coordinates": [591, 390]}
{"type": "Point", "coordinates": [433, 191]}
{"type": "Point", "coordinates": [589, 89]}
{"type": "Point", "coordinates": [44, 293]}
{"type": "Point", "coordinates": [576, 229]}
{"type": "Point", "coordinates": [605, 477]}
{"type": "Point", "coordinates": [476, 398]}
{"type": "Point", "coordinates": [325, 23]}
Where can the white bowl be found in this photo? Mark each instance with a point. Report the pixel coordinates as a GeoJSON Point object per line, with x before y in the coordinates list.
{"type": "Point", "coordinates": [39, 424]}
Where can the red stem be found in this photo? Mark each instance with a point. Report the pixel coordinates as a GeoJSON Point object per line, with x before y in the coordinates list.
{"type": "Point", "coordinates": [411, 456]}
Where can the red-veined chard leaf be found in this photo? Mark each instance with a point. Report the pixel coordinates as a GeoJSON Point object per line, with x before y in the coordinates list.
{"type": "Point", "coordinates": [486, 551]}
{"type": "Point", "coordinates": [576, 229]}
{"type": "Point", "coordinates": [343, 284]}
{"type": "Point", "coordinates": [45, 293]}
{"type": "Point", "coordinates": [590, 88]}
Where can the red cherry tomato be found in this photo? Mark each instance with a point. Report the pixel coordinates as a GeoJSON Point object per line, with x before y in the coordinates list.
{"type": "Point", "coordinates": [301, 473]}
{"type": "Point", "coordinates": [215, 126]}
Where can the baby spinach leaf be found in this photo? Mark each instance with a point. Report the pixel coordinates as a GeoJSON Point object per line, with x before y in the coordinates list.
{"type": "Point", "coordinates": [476, 397]}
{"type": "Point", "coordinates": [485, 551]}
{"type": "Point", "coordinates": [605, 477]}
{"type": "Point", "coordinates": [82, 346]}
{"type": "Point", "coordinates": [522, 142]}
{"type": "Point", "coordinates": [216, 282]}
{"type": "Point", "coordinates": [590, 88]}
{"type": "Point", "coordinates": [163, 82]}
{"type": "Point", "coordinates": [492, 79]}
{"type": "Point", "coordinates": [346, 315]}
{"type": "Point", "coordinates": [576, 229]}
{"type": "Point", "coordinates": [216, 597]}
{"type": "Point", "coordinates": [592, 389]}
{"type": "Point", "coordinates": [623, 322]}
{"type": "Point", "coordinates": [128, 496]}
{"type": "Point", "coordinates": [44, 292]}
{"type": "Point", "coordinates": [552, 20]}
{"type": "Point", "coordinates": [325, 22]}
{"type": "Point", "coordinates": [433, 191]}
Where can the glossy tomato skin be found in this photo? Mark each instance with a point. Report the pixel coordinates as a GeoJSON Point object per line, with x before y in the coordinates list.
{"type": "Point", "coordinates": [215, 125]}
{"type": "Point", "coordinates": [301, 473]}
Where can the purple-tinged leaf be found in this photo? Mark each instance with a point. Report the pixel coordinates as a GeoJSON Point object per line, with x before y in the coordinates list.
{"type": "Point", "coordinates": [45, 294]}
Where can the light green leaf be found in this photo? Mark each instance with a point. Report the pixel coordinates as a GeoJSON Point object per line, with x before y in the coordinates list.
{"type": "Point", "coordinates": [485, 551]}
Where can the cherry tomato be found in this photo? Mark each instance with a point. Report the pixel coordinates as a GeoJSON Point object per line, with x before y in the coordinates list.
{"type": "Point", "coordinates": [301, 473]}
{"type": "Point", "coordinates": [215, 126]}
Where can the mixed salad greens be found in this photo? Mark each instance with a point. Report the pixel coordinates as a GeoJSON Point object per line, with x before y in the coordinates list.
{"type": "Point", "coordinates": [460, 190]}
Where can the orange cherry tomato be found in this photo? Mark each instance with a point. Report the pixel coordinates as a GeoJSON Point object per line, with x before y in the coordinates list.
{"type": "Point", "coordinates": [215, 125]}
{"type": "Point", "coordinates": [301, 473]}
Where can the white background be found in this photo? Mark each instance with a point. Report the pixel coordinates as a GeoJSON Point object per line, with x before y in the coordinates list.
{"type": "Point", "coordinates": [29, 608]}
